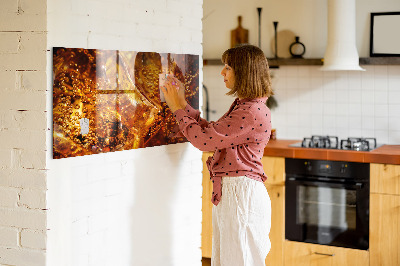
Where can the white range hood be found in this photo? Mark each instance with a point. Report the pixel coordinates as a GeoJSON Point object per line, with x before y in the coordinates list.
{"type": "Point", "coordinates": [341, 51]}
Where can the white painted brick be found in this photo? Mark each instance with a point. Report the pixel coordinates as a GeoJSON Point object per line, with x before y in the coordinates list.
{"type": "Point", "coordinates": [7, 81]}
{"type": "Point", "coordinates": [96, 173]}
{"type": "Point", "coordinates": [33, 239]}
{"type": "Point", "coordinates": [165, 45]}
{"type": "Point", "coordinates": [23, 178]}
{"type": "Point", "coordinates": [8, 197]}
{"type": "Point", "coordinates": [110, 42]}
{"type": "Point", "coordinates": [17, 256]}
{"type": "Point", "coordinates": [169, 20]}
{"type": "Point", "coordinates": [179, 7]}
{"type": "Point", "coordinates": [33, 199]}
{"type": "Point", "coordinates": [23, 218]}
{"type": "Point", "coordinates": [23, 100]}
{"type": "Point", "coordinates": [98, 222]}
{"type": "Point", "coordinates": [191, 22]}
{"type": "Point", "coordinates": [23, 139]}
{"type": "Point", "coordinates": [197, 166]}
{"type": "Point", "coordinates": [26, 119]}
{"type": "Point", "coordinates": [5, 158]}
{"type": "Point", "coordinates": [153, 32]}
{"type": "Point", "coordinates": [196, 10]}
{"type": "Point", "coordinates": [114, 186]}
{"type": "Point", "coordinates": [33, 42]}
{"type": "Point", "coordinates": [8, 6]}
{"type": "Point", "coordinates": [134, 17]}
{"type": "Point", "coordinates": [113, 170]}
{"type": "Point", "coordinates": [9, 42]}
{"type": "Point", "coordinates": [80, 228]}
{"type": "Point", "coordinates": [131, 42]}
{"type": "Point", "coordinates": [8, 237]}
{"type": "Point", "coordinates": [31, 80]}
{"type": "Point", "coordinates": [15, 158]}
{"type": "Point", "coordinates": [106, 181]}
{"type": "Point", "coordinates": [25, 61]}
{"type": "Point", "coordinates": [196, 37]}
{"type": "Point", "coordinates": [148, 6]}
{"type": "Point", "coordinates": [33, 159]}
{"type": "Point", "coordinates": [23, 22]}
{"type": "Point", "coordinates": [3, 120]}
{"type": "Point", "coordinates": [33, 7]}
{"type": "Point", "coordinates": [104, 11]}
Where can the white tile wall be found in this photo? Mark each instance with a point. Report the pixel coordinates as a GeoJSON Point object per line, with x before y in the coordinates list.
{"type": "Point", "coordinates": [312, 102]}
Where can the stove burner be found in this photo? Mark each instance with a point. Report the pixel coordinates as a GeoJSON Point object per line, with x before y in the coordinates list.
{"type": "Point", "coordinates": [358, 144]}
{"type": "Point", "coordinates": [328, 142]}
{"type": "Point", "coordinates": [332, 142]}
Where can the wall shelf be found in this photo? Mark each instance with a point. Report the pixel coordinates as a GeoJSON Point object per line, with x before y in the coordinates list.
{"type": "Point", "coordinates": [380, 61]}
{"type": "Point", "coordinates": [274, 63]}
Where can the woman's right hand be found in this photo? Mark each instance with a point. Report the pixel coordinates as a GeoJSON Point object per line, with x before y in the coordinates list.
{"type": "Point", "coordinates": [174, 93]}
{"type": "Point", "coordinates": [181, 90]}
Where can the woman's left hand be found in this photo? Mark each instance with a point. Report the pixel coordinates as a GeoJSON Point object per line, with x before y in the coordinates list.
{"type": "Point", "coordinates": [174, 93]}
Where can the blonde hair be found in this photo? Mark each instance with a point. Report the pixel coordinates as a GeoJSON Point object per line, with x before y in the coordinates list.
{"type": "Point", "coordinates": [250, 66]}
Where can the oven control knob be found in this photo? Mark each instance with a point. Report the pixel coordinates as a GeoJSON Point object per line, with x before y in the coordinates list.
{"type": "Point", "coordinates": [308, 166]}
{"type": "Point", "coordinates": [343, 168]}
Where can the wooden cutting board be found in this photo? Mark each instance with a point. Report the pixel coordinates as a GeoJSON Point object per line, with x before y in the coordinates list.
{"type": "Point", "coordinates": [239, 35]}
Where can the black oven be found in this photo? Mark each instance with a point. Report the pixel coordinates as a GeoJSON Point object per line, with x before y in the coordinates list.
{"type": "Point", "coordinates": [327, 202]}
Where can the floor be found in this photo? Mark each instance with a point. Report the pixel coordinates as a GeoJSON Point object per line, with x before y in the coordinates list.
{"type": "Point", "coordinates": [206, 261]}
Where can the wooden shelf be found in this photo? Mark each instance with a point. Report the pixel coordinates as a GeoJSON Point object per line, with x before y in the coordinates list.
{"type": "Point", "coordinates": [380, 61]}
{"type": "Point", "coordinates": [274, 63]}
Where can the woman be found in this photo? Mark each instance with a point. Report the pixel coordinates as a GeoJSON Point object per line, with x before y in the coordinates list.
{"type": "Point", "coordinates": [242, 208]}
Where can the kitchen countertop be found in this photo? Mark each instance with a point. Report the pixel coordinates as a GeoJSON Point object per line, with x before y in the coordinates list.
{"type": "Point", "coordinates": [389, 154]}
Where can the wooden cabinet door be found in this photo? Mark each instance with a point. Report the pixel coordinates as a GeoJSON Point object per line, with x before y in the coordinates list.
{"type": "Point", "coordinates": [304, 254]}
{"type": "Point", "coordinates": [384, 236]}
{"type": "Point", "coordinates": [277, 233]}
{"type": "Point", "coordinates": [274, 168]}
{"type": "Point", "coordinates": [385, 178]}
{"type": "Point", "coordinates": [206, 226]}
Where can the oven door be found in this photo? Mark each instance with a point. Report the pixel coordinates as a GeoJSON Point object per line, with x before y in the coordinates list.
{"type": "Point", "coordinates": [327, 213]}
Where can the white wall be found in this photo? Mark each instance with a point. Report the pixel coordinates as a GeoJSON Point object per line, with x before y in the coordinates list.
{"type": "Point", "coordinates": [136, 207]}
{"type": "Point", "coordinates": [23, 132]}
{"type": "Point", "coordinates": [311, 102]}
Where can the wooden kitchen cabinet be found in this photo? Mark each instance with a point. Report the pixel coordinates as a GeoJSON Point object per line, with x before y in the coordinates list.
{"type": "Point", "coordinates": [277, 233]}
{"type": "Point", "coordinates": [206, 225]}
{"type": "Point", "coordinates": [384, 237]}
{"type": "Point", "coordinates": [305, 254]}
{"type": "Point", "coordinates": [274, 168]}
{"type": "Point", "coordinates": [385, 178]}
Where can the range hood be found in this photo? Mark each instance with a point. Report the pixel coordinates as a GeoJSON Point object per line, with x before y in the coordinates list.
{"type": "Point", "coordinates": [341, 51]}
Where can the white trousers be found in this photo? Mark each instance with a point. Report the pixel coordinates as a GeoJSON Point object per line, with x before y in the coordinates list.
{"type": "Point", "coordinates": [241, 223]}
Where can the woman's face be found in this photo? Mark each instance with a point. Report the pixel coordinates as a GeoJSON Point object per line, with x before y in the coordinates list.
{"type": "Point", "coordinates": [229, 76]}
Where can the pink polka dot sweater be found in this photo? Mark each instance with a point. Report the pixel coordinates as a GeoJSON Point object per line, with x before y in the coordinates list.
{"type": "Point", "coordinates": [238, 140]}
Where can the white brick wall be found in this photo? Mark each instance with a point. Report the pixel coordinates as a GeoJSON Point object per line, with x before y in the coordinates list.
{"type": "Point", "coordinates": [136, 207]}
{"type": "Point", "coordinates": [23, 132]}
{"type": "Point", "coordinates": [99, 207]}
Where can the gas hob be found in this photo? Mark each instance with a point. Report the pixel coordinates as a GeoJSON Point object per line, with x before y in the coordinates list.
{"type": "Point", "coordinates": [332, 142]}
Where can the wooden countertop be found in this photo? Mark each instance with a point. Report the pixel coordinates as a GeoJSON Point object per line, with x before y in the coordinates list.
{"type": "Point", "coordinates": [389, 154]}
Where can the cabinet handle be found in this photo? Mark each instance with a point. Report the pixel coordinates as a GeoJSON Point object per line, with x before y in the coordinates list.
{"type": "Point", "coordinates": [324, 254]}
